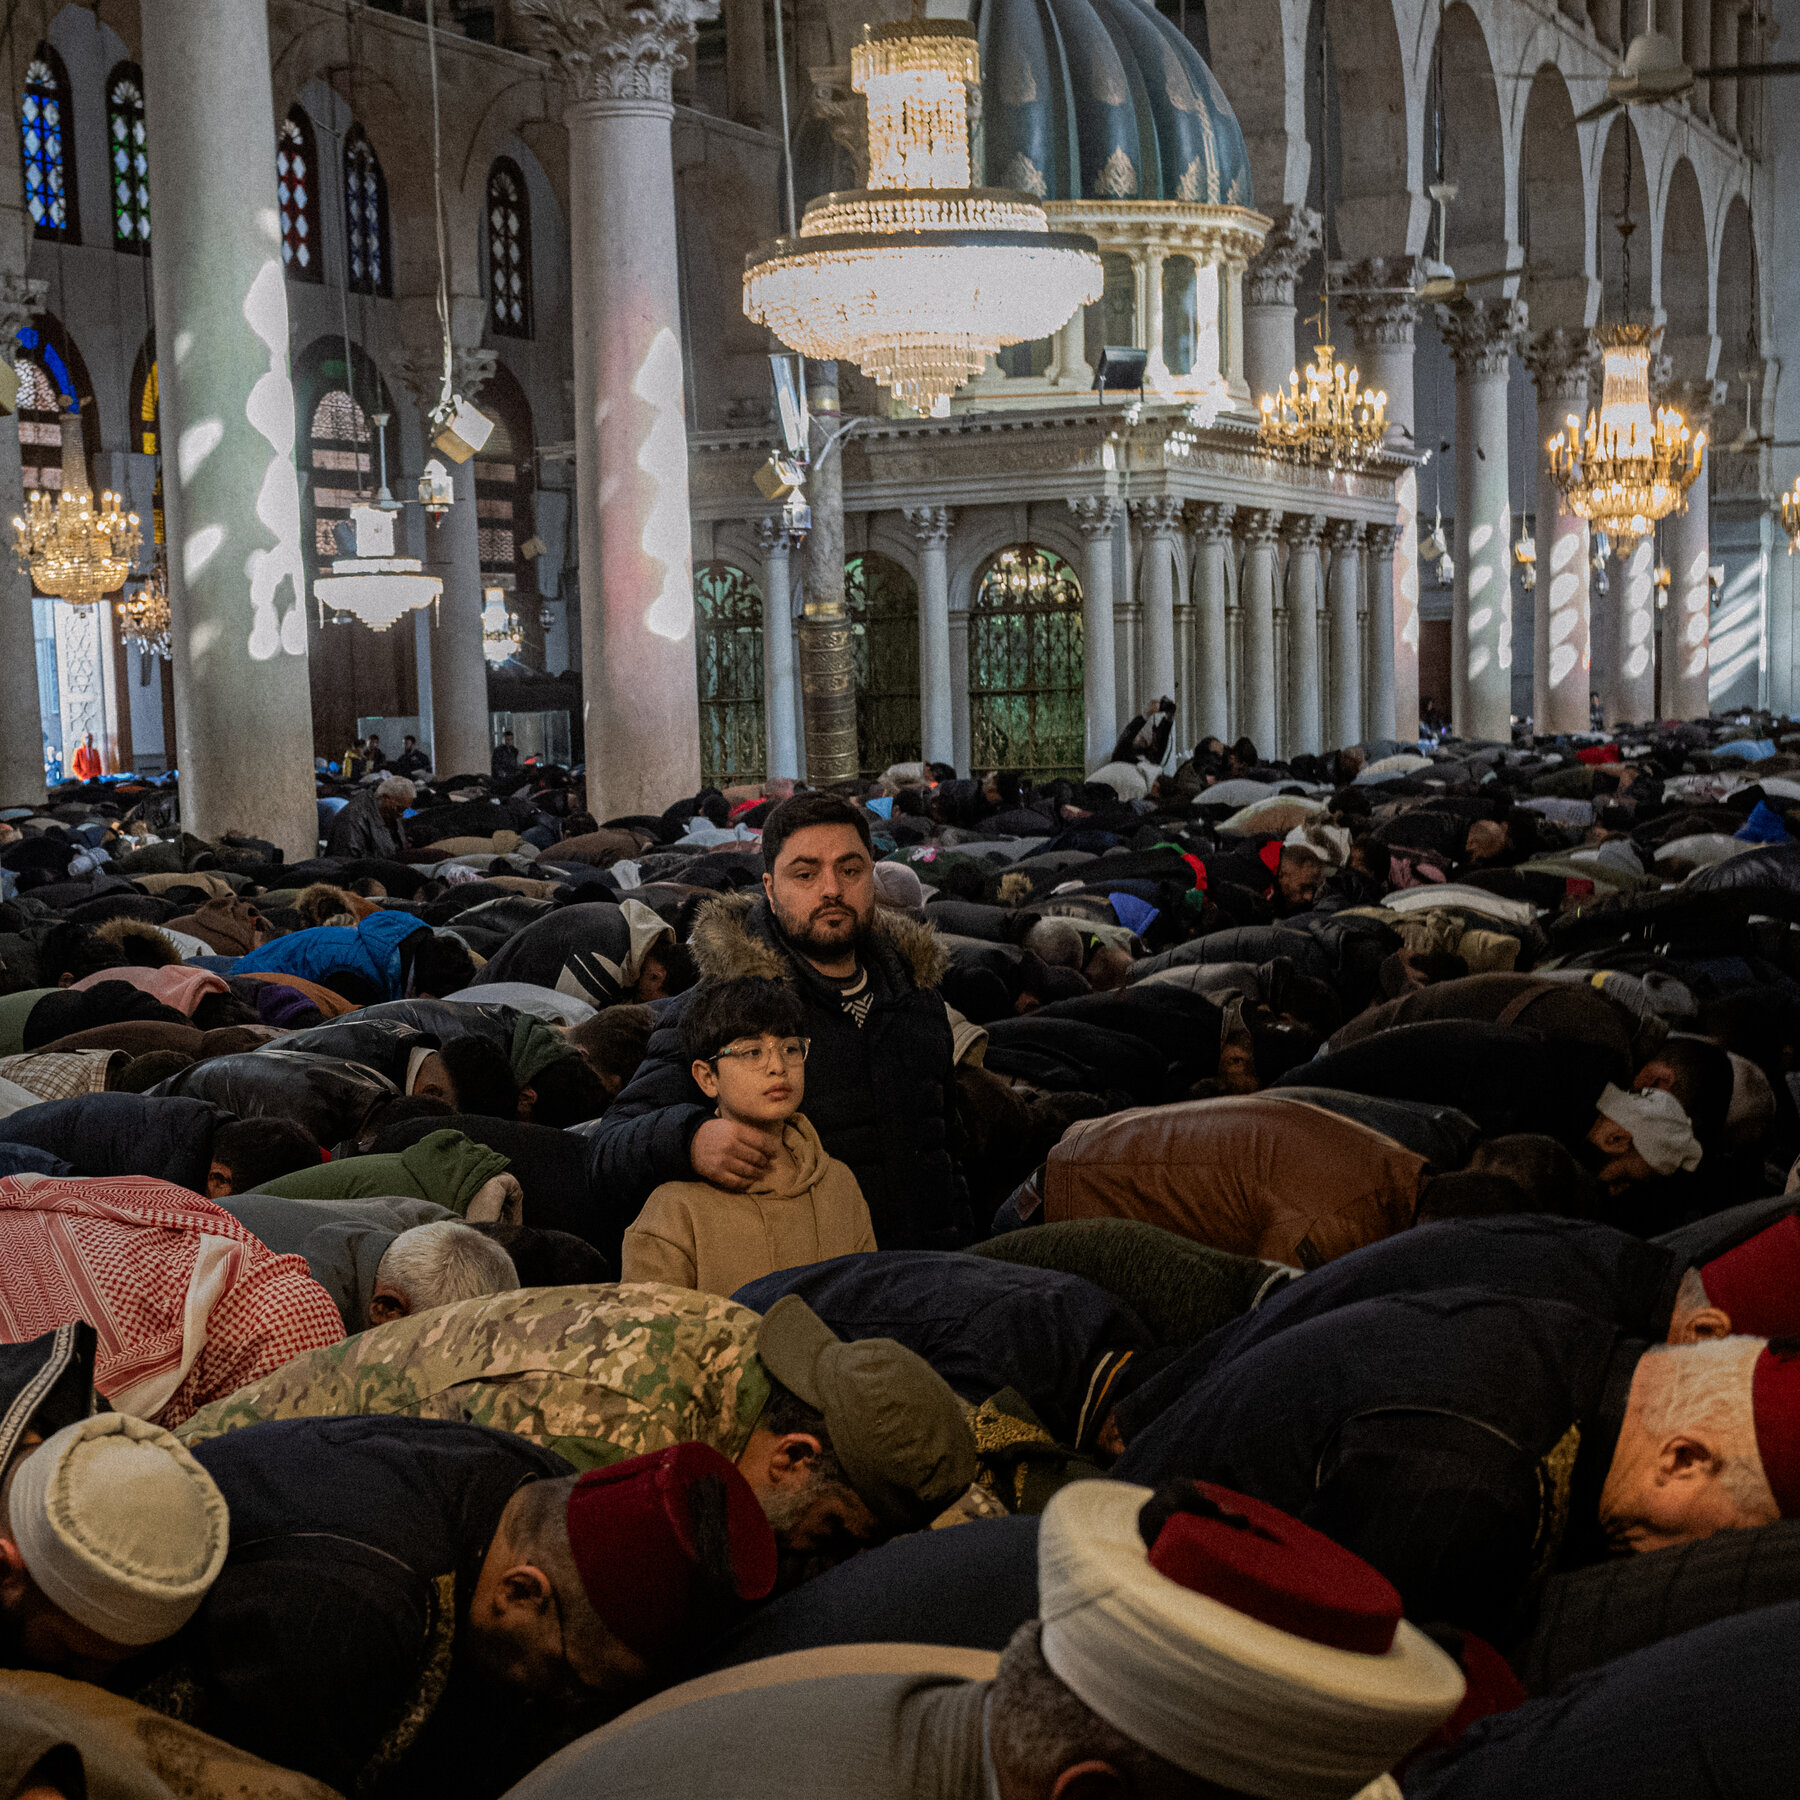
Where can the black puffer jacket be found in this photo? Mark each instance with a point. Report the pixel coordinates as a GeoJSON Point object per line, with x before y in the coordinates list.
{"type": "Point", "coordinates": [882, 1097]}
{"type": "Point", "coordinates": [167, 1137]}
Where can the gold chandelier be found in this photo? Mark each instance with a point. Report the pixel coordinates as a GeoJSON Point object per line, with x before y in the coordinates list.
{"type": "Point", "coordinates": [1630, 467]}
{"type": "Point", "coordinates": [1335, 422]}
{"type": "Point", "coordinates": [70, 549]}
{"type": "Point", "coordinates": [1790, 516]}
{"type": "Point", "coordinates": [144, 616]}
{"type": "Point", "coordinates": [919, 277]}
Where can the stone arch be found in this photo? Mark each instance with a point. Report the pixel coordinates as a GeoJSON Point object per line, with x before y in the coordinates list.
{"type": "Point", "coordinates": [1685, 284]}
{"type": "Point", "coordinates": [1259, 62]}
{"type": "Point", "coordinates": [1739, 318]}
{"type": "Point", "coordinates": [1464, 137]}
{"type": "Point", "coordinates": [1380, 205]}
{"type": "Point", "coordinates": [1610, 256]}
{"type": "Point", "coordinates": [1553, 224]}
{"type": "Point", "coordinates": [981, 533]}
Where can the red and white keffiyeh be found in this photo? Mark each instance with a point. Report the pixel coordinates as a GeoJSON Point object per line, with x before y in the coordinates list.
{"type": "Point", "coordinates": [188, 1304]}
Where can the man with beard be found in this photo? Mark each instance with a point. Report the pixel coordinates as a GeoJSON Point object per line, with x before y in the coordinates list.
{"type": "Point", "coordinates": [880, 1082]}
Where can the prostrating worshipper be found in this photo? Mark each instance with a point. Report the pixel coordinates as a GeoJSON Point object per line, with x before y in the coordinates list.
{"type": "Point", "coordinates": [386, 956]}
{"type": "Point", "coordinates": [1645, 1288]}
{"type": "Point", "coordinates": [412, 1606]}
{"type": "Point", "coordinates": [1192, 1645]}
{"type": "Point", "coordinates": [1638, 1135]}
{"type": "Point", "coordinates": [844, 1444]}
{"type": "Point", "coordinates": [188, 1305]}
{"type": "Point", "coordinates": [1703, 1713]}
{"type": "Point", "coordinates": [111, 1534]}
{"type": "Point", "coordinates": [328, 1097]}
{"type": "Point", "coordinates": [883, 1092]}
{"type": "Point", "coordinates": [126, 1134]}
{"type": "Point", "coordinates": [600, 953]}
{"type": "Point", "coordinates": [444, 1167]}
{"type": "Point", "coordinates": [747, 1050]}
{"type": "Point", "coordinates": [1466, 1443]}
{"type": "Point", "coordinates": [1257, 1175]}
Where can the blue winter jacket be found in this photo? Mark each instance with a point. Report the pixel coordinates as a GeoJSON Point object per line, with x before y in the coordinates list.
{"type": "Point", "coordinates": [371, 950]}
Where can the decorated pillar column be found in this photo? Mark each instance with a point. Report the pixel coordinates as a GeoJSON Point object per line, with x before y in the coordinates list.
{"type": "Point", "coordinates": [1378, 593]}
{"type": "Point", "coordinates": [1560, 626]}
{"type": "Point", "coordinates": [1269, 354]}
{"type": "Point", "coordinates": [21, 721]}
{"type": "Point", "coordinates": [637, 604]}
{"type": "Point", "coordinates": [1156, 369]}
{"type": "Point", "coordinates": [1343, 629]}
{"type": "Point", "coordinates": [1095, 518]}
{"type": "Point", "coordinates": [827, 652]}
{"type": "Point", "coordinates": [1209, 713]}
{"type": "Point", "coordinates": [937, 738]}
{"type": "Point", "coordinates": [1159, 521]}
{"type": "Point", "coordinates": [1378, 304]}
{"type": "Point", "coordinates": [1687, 625]}
{"type": "Point", "coordinates": [231, 500]}
{"type": "Point", "coordinates": [1481, 336]}
{"type": "Point", "coordinates": [1302, 736]}
{"type": "Point", "coordinates": [1628, 684]}
{"type": "Point", "coordinates": [1258, 584]}
{"type": "Point", "coordinates": [779, 717]}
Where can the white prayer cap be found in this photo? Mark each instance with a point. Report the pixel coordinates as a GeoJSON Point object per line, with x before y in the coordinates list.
{"type": "Point", "coordinates": [1257, 1693]}
{"type": "Point", "coordinates": [1660, 1131]}
{"type": "Point", "coordinates": [119, 1527]}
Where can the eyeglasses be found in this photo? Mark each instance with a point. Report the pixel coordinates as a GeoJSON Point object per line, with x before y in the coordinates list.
{"type": "Point", "coordinates": [763, 1055]}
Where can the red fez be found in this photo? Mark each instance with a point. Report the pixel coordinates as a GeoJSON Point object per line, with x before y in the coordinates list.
{"type": "Point", "coordinates": [1257, 1560]}
{"type": "Point", "coordinates": [1758, 1283]}
{"type": "Point", "coordinates": [1775, 1398]}
{"type": "Point", "coordinates": [632, 1532]}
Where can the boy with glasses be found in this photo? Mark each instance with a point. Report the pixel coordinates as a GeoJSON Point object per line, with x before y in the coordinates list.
{"type": "Point", "coordinates": [746, 1047]}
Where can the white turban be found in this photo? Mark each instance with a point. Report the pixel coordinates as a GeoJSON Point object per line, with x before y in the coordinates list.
{"type": "Point", "coordinates": [1660, 1131]}
{"type": "Point", "coordinates": [119, 1527]}
{"type": "Point", "coordinates": [1240, 1703]}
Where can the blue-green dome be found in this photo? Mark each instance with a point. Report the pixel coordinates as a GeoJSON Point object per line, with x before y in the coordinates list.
{"type": "Point", "coordinates": [1104, 100]}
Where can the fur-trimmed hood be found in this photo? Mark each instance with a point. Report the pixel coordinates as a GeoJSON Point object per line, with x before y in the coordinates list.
{"type": "Point", "coordinates": [321, 903]}
{"type": "Point", "coordinates": [142, 944]}
{"type": "Point", "coordinates": [727, 947]}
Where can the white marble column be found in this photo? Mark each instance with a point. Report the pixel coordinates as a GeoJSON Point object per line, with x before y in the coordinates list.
{"type": "Point", "coordinates": [1378, 591]}
{"type": "Point", "coordinates": [1270, 355]}
{"type": "Point", "coordinates": [1628, 685]}
{"type": "Point", "coordinates": [1209, 714]}
{"type": "Point", "coordinates": [1096, 519]}
{"type": "Point", "coordinates": [1343, 627]}
{"type": "Point", "coordinates": [1158, 522]}
{"type": "Point", "coordinates": [937, 733]}
{"type": "Point", "coordinates": [1258, 585]}
{"type": "Point", "coordinates": [1559, 361]}
{"type": "Point", "coordinates": [1302, 735]}
{"type": "Point", "coordinates": [1156, 369]}
{"type": "Point", "coordinates": [231, 501]}
{"type": "Point", "coordinates": [959, 692]}
{"type": "Point", "coordinates": [637, 603]}
{"type": "Point", "coordinates": [1481, 336]}
{"type": "Point", "coordinates": [778, 650]}
{"type": "Point", "coordinates": [1687, 625]}
{"type": "Point", "coordinates": [21, 721]}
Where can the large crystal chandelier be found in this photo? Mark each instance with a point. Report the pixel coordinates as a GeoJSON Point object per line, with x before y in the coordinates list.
{"type": "Point", "coordinates": [919, 277]}
{"type": "Point", "coordinates": [1333, 421]}
{"type": "Point", "coordinates": [1631, 466]}
{"type": "Point", "coordinates": [144, 616]}
{"type": "Point", "coordinates": [68, 547]}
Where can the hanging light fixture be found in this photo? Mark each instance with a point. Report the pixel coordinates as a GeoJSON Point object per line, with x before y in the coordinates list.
{"type": "Point", "coordinates": [1790, 516]}
{"type": "Point", "coordinates": [500, 637]}
{"type": "Point", "coordinates": [375, 585]}
{"type": "Point", "coordinates": [144, 616]}
{"type": "Point", "coordinates": [919, 277]}
{"type": "Point", "coordinates": [70, 548]}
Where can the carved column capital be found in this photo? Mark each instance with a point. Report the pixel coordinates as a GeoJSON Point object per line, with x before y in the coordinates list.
{"type": "Point", "coordinates": [1559, 362]}
{"type": "Point", "coordinates": [20, 300]}
{"type": "Point", "coordinates": [1344, 535]}
{"type": "Point", "coordinates": [1095, 516]}
{"type": "Point", "coordinates": [1379, 540]}
{"type": "Point", "coordinates": [930, 524]}
{"type": "Point", "coordinates": [1304, 531]}
{"type": "Point", "coordinates": [1481, 335]}
{"type": "Point", "coordinates": [1375, 298]}
{"type": "Point", "coordinates": [772, 534]}
{"type": "Point", "coordinates": [1297, 233]}
{"type": "Point", "coordinates": [1258, 525]}
{"type": "Point", "coordinates": [1158, 517]}
{"type": "Point", "coordinates": [1211, 523]}
{"type": "Point", "coordinates": [616, 49]}
{"type": "Point", "coordinates": [422, 373]}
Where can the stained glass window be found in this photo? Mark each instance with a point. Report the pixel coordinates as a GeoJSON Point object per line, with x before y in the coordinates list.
{"type": "Point", "coordinates": [130, 159]}
{"type": "Point", "coordinates": [297, 195]}
{"type": "Point", "coordinates": [509, 250]}
{"type": "Point", "coordinates": [48, 147]}
{"type": "Point", "coordinates": [365, 217]}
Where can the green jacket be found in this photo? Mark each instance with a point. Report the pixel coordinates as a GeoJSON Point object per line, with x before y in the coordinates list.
{"type": "Point", "coordinates": [446, 1168]}
{"type": "Point", "coordinates": [596, 1374]}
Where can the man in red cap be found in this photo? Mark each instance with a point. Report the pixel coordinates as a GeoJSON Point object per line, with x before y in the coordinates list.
{"type": "Point", "coordinates": [416, 1606]}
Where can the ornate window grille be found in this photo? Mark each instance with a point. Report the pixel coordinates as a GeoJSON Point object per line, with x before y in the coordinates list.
{"type": "Point", "coordinates": [297, 197]}
{"type": "Point", "coordinates": [366, 252]}
{"type": "Point", "coordinates": [884, 638]}
{"type": "Point", "coordinates": [509, 250]}
{"type": "Point", "coordinates": [341, 452]}
{"type": "Point", "coordinates": [1025, 666]}
{"type": "Point", "coordinates": [47, 146]}
{"type": "Point", "coordinates": [130, 159]}
{"type": "Point", "coordinates": [728, 657]}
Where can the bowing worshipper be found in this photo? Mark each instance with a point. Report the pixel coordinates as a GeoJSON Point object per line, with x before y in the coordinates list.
{"type": "Point", "coordinates": [127, 1134]}
{"type": "Point", "coordinates": [747, 1051]}
{"type": "Point", "coordinates": [444, 1167]}
{"type": "Point", "coordinates": [844, 1444]}
{"type": "Point", "coordinates": [1466, 1443]}
{"type": "Point", "coordinates": [385, 956]}
{"type": "Point", "coordinates": [1748, 1284]}
{"type": "Point", "coordinates": [413, 1606]}
{"type": "Point", "coordinates": [600, 952]}
{"type": "Point", "coordinates": [111, 1534]}
{"type": "Point", "coordinates": [1191, 1646]}
{"type": "Point", "coordinates": [330, 1098]}
{"type": "Point", "coordinates": [1638, 1135]}
{"type": "Point", "coordinates": [1704, 1713]}
{"type": "Point", "coordinates": [1260, 1175]}
{"type": "Point", "coordinates": [187, 1304]}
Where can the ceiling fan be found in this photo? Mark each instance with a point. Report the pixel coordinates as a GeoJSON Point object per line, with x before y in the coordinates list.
{"type": "Point", "coordinates": [1653, 72]}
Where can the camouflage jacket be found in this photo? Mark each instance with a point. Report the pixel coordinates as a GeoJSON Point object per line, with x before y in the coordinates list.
{"type": "Point", "coordinates": [596, 1374]}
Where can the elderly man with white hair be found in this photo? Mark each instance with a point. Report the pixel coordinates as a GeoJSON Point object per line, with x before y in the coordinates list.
{"type": "Point", "coordinates": [369, 827]}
